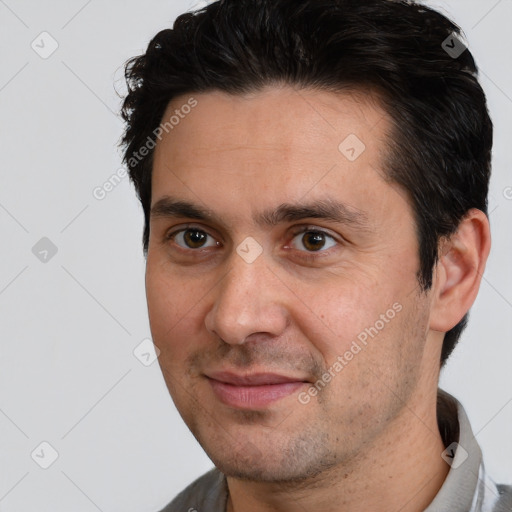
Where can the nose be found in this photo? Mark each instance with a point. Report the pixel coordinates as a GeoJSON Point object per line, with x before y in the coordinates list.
{"type": "Point", "coordinates": [249, 300]}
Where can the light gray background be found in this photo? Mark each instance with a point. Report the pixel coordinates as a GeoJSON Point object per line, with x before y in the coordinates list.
{"type": "Point", "coordinates": [68, 329]}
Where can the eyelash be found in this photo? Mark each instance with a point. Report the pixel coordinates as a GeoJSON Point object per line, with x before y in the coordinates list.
{"type": "Point", "coordinates": [306, 255]}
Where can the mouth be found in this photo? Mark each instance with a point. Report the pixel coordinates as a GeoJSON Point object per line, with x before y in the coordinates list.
{"type": "Point", "coordinates": [252, 391]}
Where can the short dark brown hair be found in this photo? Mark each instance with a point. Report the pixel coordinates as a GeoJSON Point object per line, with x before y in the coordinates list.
{"type": "Point", "coordinates": [412, 56]}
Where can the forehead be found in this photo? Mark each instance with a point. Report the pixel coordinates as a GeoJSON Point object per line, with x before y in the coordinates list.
{"type": "Point", "coordinates": [278, 117]}
{"type": "Point", "coordinates": [277, 145]}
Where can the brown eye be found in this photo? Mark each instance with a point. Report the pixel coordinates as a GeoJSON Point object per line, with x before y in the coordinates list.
{"type": "Point", "coordinates": [314, 241]}
{"type": "Point", "coordinates": [192, 238]}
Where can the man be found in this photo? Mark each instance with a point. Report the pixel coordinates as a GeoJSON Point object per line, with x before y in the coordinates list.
{"type": "Point", "coordinates": [314, 178]}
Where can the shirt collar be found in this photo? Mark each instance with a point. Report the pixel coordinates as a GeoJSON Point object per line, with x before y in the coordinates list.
{"type": "Point", "coordinates": [461, 488]}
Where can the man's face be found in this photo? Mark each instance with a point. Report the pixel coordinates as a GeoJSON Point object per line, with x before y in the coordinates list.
{"type": "Point", "coordinates": [262, 297]}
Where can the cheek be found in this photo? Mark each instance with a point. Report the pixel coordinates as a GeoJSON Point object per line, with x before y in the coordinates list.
{"type": "Point", "coordinates": [358, 330]}
{"type": "Point", "coordinates": [173, 308]}
{"type": "Point", "coordinates": [333, 315]}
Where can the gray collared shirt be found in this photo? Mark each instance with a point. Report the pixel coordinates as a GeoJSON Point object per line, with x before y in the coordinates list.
{"type": "Point", "coordinates": [467, 488]}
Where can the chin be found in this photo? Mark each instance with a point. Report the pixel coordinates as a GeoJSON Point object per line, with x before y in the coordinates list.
{"type": "Point", "coordinates": [283, 474]}
{"type": "Point", "coordinates": [292, 461]}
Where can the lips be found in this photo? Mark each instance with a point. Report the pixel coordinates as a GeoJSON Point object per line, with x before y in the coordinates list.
{"type": "Point", "coordinates": [252, 391]}
{"type": "Point", "coordinates": [256, 379]}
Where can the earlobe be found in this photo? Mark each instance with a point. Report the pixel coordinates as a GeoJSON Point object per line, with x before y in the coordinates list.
{"type": "Point", "coordinates": [459, 270]}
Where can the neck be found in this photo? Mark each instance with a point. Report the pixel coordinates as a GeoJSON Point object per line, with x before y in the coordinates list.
{"type": "Point", "coordinates": [400, 470]}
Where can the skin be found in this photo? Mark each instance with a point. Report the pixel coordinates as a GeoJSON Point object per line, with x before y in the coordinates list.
{"type": "Point", "coordinates": [369, 439]}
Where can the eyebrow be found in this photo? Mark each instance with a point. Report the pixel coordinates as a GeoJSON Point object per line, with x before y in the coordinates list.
{"type": "Point", "coordinates": [326, 209]}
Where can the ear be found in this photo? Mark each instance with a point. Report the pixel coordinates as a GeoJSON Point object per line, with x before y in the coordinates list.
{"type": "Point", "coordinates": [459, 271]}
